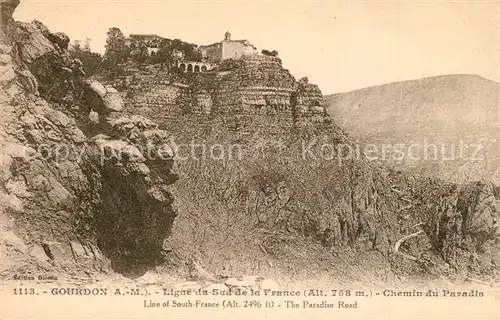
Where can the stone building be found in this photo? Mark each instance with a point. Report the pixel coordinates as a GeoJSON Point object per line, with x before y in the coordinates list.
{"type": "Point", "coordinates": [227, 49]}
{"type": "Point", "coordinates": [145, 37]}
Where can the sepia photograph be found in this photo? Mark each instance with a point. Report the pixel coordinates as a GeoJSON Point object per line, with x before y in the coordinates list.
{"type": "Point", "coordinates": [251, 159]}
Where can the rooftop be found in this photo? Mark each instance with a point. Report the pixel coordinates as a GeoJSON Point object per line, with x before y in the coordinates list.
{"type": "Point", "coordinates": [137, 35]}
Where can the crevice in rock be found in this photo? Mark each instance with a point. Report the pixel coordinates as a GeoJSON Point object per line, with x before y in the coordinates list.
{"type": "Point", "coordinates": [47, 251]}
{"type": "Point", "coordinates": [131, 225]}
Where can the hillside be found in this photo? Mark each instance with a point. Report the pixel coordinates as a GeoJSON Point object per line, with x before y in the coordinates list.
{"type": "Point", "coordinates": [443, 114]}
{"type": "Point", "coordinates": [89, 190]}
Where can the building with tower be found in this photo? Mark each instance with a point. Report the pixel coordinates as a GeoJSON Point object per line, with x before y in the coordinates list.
{"type": "Point", "coordinates": [227, 49]}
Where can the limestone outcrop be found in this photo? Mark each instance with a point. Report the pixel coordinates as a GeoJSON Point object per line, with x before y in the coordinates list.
{"type": "Point", "coordinates": [7, 8]}
{"type": "Point", "coordinates": [470, 224]}
{"type": "Point", "coordinates": [257, 85]}
{"type": "Point", "coordinates": [76, 198]}
{"type": "Point", "coordinates": [149, 90]}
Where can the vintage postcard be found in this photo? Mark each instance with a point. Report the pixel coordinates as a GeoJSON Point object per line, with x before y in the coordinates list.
{"type": "Point", "coordinates": [249, 159]}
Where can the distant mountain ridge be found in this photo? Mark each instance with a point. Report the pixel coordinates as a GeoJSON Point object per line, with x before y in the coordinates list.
{"type": "Point", "coordinates": [447, 110]}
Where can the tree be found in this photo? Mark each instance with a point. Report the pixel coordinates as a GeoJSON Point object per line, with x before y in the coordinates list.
{"type": "Point", "coordinates": [86, 46]}
{"type": "Point", "coordinates": [163, 56]}
{"type": "Point", "coordinates": [92, 61]}
{"type": "Point", "coordinates": [190, 53]}
{"type": "Point", "coordinates": [116, 50]}
{"type": "Point", "coordinates": [75, 47]}
{"type": "Point", "coordinates": [139, 52]}
{"type": "Point", "coordinates": [194, 55]}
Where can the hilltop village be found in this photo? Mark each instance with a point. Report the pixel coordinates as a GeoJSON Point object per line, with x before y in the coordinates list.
{"type": "Point", "coordinates": [206, 57]}
{"type": "Point", "coordinates": [228, 76]}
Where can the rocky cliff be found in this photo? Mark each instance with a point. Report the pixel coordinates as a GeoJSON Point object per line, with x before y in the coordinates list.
{"type": "Point", "coordinates": [7, 8]}
{"type": "Point", "coordinates": [260, 85]}
{"type": "Point", "coordinates": [78, 197]}
{"type": "Point", "coordinates": [254, 85]}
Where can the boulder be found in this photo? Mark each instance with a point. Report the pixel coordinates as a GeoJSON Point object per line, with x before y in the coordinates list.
{"type": "Point", "coordinates": [32, 43]}
{"type": "Point", "coordinates": [59, 38]}
{"type": "Point", "coordinates": [96, 87]}
{"type": "Point", "coordinates": [155, 142]}
{"type": "Point", "coordinates": [304, 80]}
{"type": "Point", "coordinates": [113, 102]}
{"type": "Point", "coordinates": [318, 109]}
{"type": "Point", "coordinates": [101, 99]}
{"type": "Point", "coordinates": [57, 251]}
{"type": "Point", "coordinates": [41, 53]}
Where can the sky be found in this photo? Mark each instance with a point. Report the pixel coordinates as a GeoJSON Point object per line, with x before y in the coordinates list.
{"type": "Point", "coordinates": [339, 45]}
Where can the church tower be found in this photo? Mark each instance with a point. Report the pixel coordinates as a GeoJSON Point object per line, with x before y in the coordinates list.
{"type": "Point", "coordinates": [227, 36]}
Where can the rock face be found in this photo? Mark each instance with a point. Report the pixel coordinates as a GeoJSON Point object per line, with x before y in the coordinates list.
{"type": "Point", "coordinates": [253, 86]}
{"type": "Point", "coordinates": [76, 198]}
{"type": "Point", "coordinates": [151, 91]}
{"type": "Point", "coordinates": [32, 42]}
{"type": "Point", "coordinates": [257, 85]}
{"type": "Point", "coordinates": [309, 99]}
{"type": "Point", "coordinates": [357, 211]}
{"type": "Point", "coordinates": [44, 55]}
{"type": "Point", "coordinates": [7, 8]}
{"type": "Point", "coordinates": [7, 72]}
{"type": "Point", "coordinates": [473, 226]}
